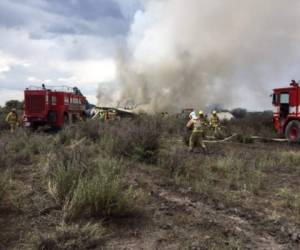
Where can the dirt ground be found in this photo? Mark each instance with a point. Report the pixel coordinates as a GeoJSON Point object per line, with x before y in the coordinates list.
{"type": "Point", "coordinates": [170, 212]}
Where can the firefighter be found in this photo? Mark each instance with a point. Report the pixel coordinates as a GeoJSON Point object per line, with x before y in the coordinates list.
{"type": "Point", "coordinates": [199, 124]}
{"type": "Point", "coordinates": [12, 119]}
{"type": "Point", "coordinates": [205, 120]}
{"type": "Point", "coordinates": [106, 115]}
{"type": "Point", "coordinates": [102, 115]}
{"type": "Point", "coordinates": [193, 115]}
{"type": "Point", "coordinates": [215, 123]}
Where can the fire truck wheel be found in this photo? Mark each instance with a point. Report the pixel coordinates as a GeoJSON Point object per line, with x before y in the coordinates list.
{"type": "Point", "coordinates": [292, 131]}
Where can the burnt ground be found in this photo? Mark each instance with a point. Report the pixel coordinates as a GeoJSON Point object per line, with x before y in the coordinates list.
{"type": "Point", "coordinates": [170, 210]}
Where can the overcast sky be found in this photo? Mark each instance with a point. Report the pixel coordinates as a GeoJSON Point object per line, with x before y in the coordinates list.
{"type": "Point", "coordinates": [61, 42]}
{"type": "Point", "coordinates": [80, 43]}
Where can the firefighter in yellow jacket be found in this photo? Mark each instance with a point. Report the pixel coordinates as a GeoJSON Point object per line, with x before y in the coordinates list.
{"type": "Point", "coordinates": [198, 125]}
{"type": "Point", "coordinates": [12, 120]}
{"type": "Point", "coordinates": [215, 123]}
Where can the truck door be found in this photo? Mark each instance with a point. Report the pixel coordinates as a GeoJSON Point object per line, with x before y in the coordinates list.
{"type": "Point", "coordinates": [284, 102]}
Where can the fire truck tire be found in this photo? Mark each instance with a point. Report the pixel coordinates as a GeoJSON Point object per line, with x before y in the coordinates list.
{"type": "Point", "coordinates": [292, 131]}
{"type": "Point", "coordinates": [34, 126]}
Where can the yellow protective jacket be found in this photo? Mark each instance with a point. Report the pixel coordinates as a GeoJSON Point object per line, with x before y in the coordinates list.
{"type": "Point", "coordinates": [198, 125]}
{"type": "Point", "coordinates": [12, 118]}
{"type": "Point", "coordinates": [214, 121]}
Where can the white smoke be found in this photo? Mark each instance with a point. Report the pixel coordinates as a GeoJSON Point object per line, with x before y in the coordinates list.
{"type": "Point", "coordinates": [190, 53]}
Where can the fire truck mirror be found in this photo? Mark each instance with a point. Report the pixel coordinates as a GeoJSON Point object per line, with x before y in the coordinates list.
{"type": "Point", "coordinates": [274, 99]}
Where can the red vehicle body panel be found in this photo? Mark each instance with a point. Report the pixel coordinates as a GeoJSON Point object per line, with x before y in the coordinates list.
{"type": "Point", "coordinates": [52, 107]}
{"type": "Point", "coordinates": [286, 103]}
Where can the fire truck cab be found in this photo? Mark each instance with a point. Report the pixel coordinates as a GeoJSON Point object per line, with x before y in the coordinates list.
{"type": "Point", "coordinates": [54, 106]}
{"type": "Point", "coordinates": [286, 115]}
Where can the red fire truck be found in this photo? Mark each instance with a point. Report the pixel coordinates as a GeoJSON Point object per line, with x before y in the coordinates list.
{"type": "Point", "coordinates": [286, 116]}
{"type": "Point", "coordinates": [53, 106]}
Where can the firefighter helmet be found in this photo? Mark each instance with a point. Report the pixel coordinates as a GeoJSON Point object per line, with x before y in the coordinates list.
{"type": "Point", "coordinates": [201, 113]}
{"type": "Point", "coordinates": [214, 112]}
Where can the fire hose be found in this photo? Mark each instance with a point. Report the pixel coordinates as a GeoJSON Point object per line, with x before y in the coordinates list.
{"type": "Point", "coordinates": [251, 137]}
{"type": "Point", "coordinates": [224, 140]}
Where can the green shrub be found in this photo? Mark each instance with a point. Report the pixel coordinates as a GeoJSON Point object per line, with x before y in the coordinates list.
{"type": "Point", "coordinates": [64, 179]}
{"type": "Point", "coordinates": [100, 193]}
{"type": "Point", "coordinates": [90, 186]}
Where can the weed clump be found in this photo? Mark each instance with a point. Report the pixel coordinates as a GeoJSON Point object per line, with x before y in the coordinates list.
{"type": "Point", "coordinates": [101, 192]}
{"type": "Point", "coordinates": [74, 236]}
{"type": "Point", "coordinates": [290, 199]}
{"type": "Point", "coordinates": [64, 179]}
{"type": "Point", "coordinates": [91, 188]}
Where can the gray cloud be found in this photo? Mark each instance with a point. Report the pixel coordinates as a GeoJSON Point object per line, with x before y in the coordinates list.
{"type": "Point", "coordinates": [45, 18]}
{"type": "Point", "coordinates": [88, 9]}
{"type": "Point", "coordinates": [61, 42]}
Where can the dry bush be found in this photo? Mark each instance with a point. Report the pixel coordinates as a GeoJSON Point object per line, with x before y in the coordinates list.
{"type": "Point", "coordinates": [136, 139]}
{"type": "Point", "coordinates": [67, 134]}
{"type": "Point", "coordinates": [72, 237]}
{"type": "Point", "coordinates": [21, 147]}
{"type": "Point", "coordinates": [13, 151]}
{"type": "Point", "coordinates": [172, 125]}
{"type": "Point", "coordinates": [252, 124]}
{"type": "Point", "coordinates": [174, 159]}
{"type": "Point", "coordinates": [91, 130]}
{"type": "Point", "coordinates": [3, 125]}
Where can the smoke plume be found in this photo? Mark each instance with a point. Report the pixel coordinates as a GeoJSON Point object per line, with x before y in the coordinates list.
{"type": "Point", "coordinates": [197, 52]}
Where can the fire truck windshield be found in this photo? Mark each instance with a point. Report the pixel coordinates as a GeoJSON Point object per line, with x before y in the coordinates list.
{"type": "Point", "coordinates": [284, 98]}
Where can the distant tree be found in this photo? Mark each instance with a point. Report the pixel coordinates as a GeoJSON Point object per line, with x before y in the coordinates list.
{"type": "Point", "coordinates": [14, 104]}
{"type": "Point", "coordinates": [239, 113]}
{"type": "Point", "coordinates": [215, 106]}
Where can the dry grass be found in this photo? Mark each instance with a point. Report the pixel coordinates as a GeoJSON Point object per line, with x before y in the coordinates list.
{"type": "Point", "coordinates": [89, 186]}
{"type": "Point", "coordinates": [135, 139]}
{"type": "Point", "coordinates": [4, 186]}
{"type": "Point", "coordinates": [100, 193]}
{"type": "Point", "coordinates": [92, 179]}
{"type": "Point", "coordinates": [290, 199]}
{"type": "Point", "coordinates": [72, 237]}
